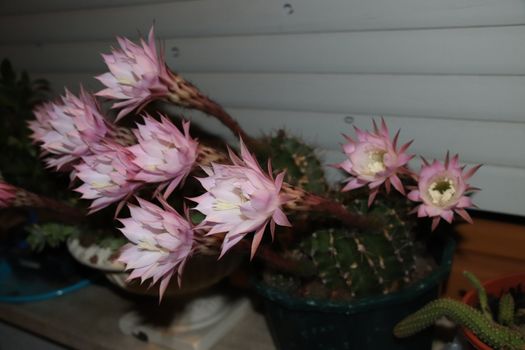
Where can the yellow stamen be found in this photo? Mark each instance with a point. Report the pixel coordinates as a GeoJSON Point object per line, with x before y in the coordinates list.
{"type": "Point", "coordinates": [376, 163]}
{"type": "Point", "coordinates": [99, 185]}
{"type": "Point", "coordinates": [441, 191]}
{"type": "Point", "coordinates": [223, 205]}
{"type": "Point", "coordinates": [150, 247]}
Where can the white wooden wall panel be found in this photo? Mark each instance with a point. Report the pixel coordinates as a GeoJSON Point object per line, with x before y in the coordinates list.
{"type": "Point", "coordinates": [433, 137]}
{"type": "Point", "coordinates": [225, 17]}
{"type": "Point", "coordinates": [449, 73]}
{"type": "Point", "coordinates": [480, 51]}
{"type": "Point", "coordinates": [8, 7]}
{"type": "Point", "coordinates": [498, 98]}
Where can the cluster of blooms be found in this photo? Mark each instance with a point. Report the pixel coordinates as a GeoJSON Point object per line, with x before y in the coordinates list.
{"type": "Point", "coordinates": [239, 199]}
{"type": "Point", "coordinates": [374, 159]}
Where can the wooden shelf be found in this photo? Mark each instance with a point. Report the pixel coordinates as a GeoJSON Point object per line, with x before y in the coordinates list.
{"type": "Point", "coordinates": [488, 248]}
{"type": "Point", "coordinates": [88, 319]}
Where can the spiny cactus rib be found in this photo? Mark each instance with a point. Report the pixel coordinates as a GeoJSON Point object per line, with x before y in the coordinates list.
{"type": "Point", "coordinates": [354, 263]}
{"type": "Point", "coordinates": [491, 333]}
{"type": "Point", "coordinates": [303, 167]}
{"type": "Point", "coordinates": [506, 310]}
{"type": "Point", "coordinates": [482, 294]}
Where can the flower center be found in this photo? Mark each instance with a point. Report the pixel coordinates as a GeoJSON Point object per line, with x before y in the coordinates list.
{"type": "Point", "coordinates": [442, 191]}
{"type": "Point", "coordinates": [376, 162]}
{"type": "Point", "coordinates": [99, 185]}
{"type": "Point", "coordinates": [150, 247]}
{"type": "Point", "coordinates": [221, 204]}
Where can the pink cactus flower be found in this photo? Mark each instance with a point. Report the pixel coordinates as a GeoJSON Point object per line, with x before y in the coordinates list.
{"type": "Point", "coordinates": [137, 75]}
{"type": "Point", "coordinates": [160, 243]}
{"type": "Point", "coordinates": [374, 159]}
{"type": "Point", "coordinates": [240, 199]}
{"type": "Point", "coordinates": [163, 153]}
{"type": "Point", "coordinates": [7, 194]}
{"type": "Point", "coordinates": [442, 189]}
{"type": "Point", "coordinates": [108, 175]}
{"type": "Point", "coordinates": [67, 128]}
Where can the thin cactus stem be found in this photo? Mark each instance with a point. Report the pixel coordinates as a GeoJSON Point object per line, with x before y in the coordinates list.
{"type": "Point", "coordinates": [214, 109]}
{"type": "Point", "coordinates": [28, 199]}
{"type": "Point", "coordinates": [187, 95]}
{"type": "Point", "coordinates": [482, 294]}
{"type": "Point", "coordinates": [304, 201]}
{"type": "Point", "coordinates": [506, 310]}
{"type": "Point", "coordinates": [491, 333]}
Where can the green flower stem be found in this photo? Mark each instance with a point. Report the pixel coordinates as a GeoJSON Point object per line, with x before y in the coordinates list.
{"type": "Point", "coordinates": [491, 333]}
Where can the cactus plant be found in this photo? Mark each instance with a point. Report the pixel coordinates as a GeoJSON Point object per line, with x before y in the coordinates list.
{"type": "Point", "coordinates": [502, 334]}
{"type": "Point", "coordinates": [346, 241]}
{"type": "Point", "coordinates": [351, 263]}
{"type": "Point", "coordinates": [492, 333]}
{"type": "Point", "coordinates": [303, 167]}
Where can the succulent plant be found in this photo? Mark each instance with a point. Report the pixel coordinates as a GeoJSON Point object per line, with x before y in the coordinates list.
{"type": "Point", "coordinates": [348, 263]}
{"type": "Point", "coordinates": [499, 335]}
{"type": "Point", "coordinates": [342, 245]}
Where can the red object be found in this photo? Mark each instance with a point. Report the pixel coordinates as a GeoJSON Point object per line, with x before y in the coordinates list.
{"type": "Point", "coordinates": [496, 287]}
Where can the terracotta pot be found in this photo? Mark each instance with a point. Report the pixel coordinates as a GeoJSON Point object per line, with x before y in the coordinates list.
{"type": "Point", "coordinates": [496, 287]}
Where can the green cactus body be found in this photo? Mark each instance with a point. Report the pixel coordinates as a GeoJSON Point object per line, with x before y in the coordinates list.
{"type": "Point", "coordinates": [349, 263]}
{"type": "Point", "coordinates": [506, 310]}
{"type": "Point", "coordinates": [355, 264]}
{"type": "Point", "coordinates": [488, 331]}
{"type": "Point", "coordinates": [303, 167]}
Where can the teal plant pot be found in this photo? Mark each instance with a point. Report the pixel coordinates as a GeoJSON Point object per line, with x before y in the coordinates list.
{"type": "Point", "coordinates": [366, 324]}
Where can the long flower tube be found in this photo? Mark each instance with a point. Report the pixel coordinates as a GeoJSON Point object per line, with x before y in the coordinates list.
{"type": "Point", "coordinates": [139, 75]}
{"type": "Point", "coordinates": [16, 197]}
{"type": "Point", "coordinates": [303, 201]}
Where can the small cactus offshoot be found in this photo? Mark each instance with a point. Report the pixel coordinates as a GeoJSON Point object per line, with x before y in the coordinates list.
{"type": "Point", "coordinates": [490, 332]}
{"type": "Point", "coordinates": [498, 335]}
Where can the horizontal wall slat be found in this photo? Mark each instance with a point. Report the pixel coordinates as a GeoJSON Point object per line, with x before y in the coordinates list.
{"type": "Point", "coordinates": [227, 17]}
{"type": "Point", "coordinates": [35, 6]}
{"type": "Point", "coordinates": [502, 189]}
{"type": "Point", "coordinates": [480, 51]}
{"type": "Point", "coordinates": [499, 98]}
{"type": "Point", "coordinates": [477, 142]}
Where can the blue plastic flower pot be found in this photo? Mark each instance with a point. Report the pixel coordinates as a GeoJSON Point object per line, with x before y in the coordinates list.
{"type": "Point", "coordinates": [364, 324]}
